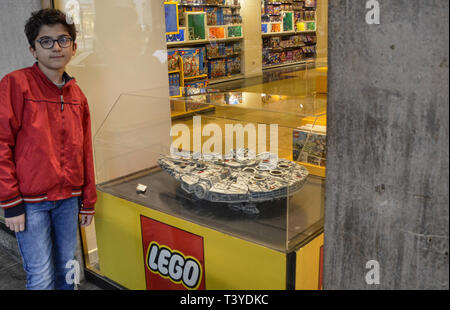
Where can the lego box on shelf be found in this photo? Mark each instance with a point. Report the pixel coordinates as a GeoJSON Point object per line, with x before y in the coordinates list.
{"type": "Point", "coordinates": [274, 42]}
{"type": "Point", "coordinates": [192, 61]}
{"type": "Point", "coordinates": [217, 68]}
{"type": "Point", "coordinates": [233, 66]}
{"type": "Point", "coordinates": [214, 50]}
{"type": "Point", "coordinates": [289, 56]}
{"type": "Point", "coordinates": [288, 21]}
{"type": "Point", "coordinates": [172, 60]}
{"type": "Point", "coordinates": [297, 55]}
{"type": "Point", "coordinates": [216, 33]}
{"type": "Point", "coordinates": [311, 26]}
{"type": "Point", "coordinates": [275, 27]}
{"type": "Point", "coordinates": [229, 51]}
{"type": "Point", "coordinates": [211, 16]}
{"type": "Point", "coordinates": [213, 2]}
{"type": "Point", "coordinates": [301, 26]}
{"type": "Point", "coordinates": [176, 37]}
{"type": "Point", "coordinates": [196, 23]}
{"type": "Point", "coordinates": [174, 84]}
{"type": "Point", "coordinates": [237, 47]}
{"type": "Point", "coordinates": [310, 3]}
{"type": "Point", "coordinates": [204, 62]}
{"type": "Point", "coordinates": [235, 31]}
{"type": "Point", "coordinates": [273, 58]}
{"type": "Point", "coordinates": [309, 144]}
{"type": "Point", "coordinates": [195, 87]}
{"type": "Point", "coordinates": [171, 14]}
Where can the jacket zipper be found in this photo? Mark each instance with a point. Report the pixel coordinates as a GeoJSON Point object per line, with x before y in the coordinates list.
{"type": "Point", "coordinates": [62, 135]}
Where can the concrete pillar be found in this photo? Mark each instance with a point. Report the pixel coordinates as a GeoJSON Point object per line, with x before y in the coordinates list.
{"type": "Point", "coordinates": [387, 169]}
{"type": "Point", "coordinates": [14, 52]}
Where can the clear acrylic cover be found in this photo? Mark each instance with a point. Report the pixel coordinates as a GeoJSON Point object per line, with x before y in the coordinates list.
{"type": "Point", "coordinates": [229, 165]}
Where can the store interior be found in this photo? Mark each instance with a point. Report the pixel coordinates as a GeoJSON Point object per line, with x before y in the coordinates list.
{"type": "Point", "coordinates": [226, 61]}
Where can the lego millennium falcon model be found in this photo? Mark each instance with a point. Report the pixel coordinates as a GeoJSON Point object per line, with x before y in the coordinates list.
{"type": "Point", "coordinates": [241, 181]}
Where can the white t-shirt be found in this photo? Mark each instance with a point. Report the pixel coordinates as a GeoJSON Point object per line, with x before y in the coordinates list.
{"type": "Point", "coordinates": [62, 84]}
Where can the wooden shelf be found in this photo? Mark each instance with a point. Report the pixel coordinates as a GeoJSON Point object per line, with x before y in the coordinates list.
{"type": "Point", "coordinates": [307, 61]}
{"type": "Point", "coordinates": [195, 42]}
{"type": "Point", "coordinates": [175, 115]}
{"type": "Point", "coordinates": [211, 5]}
{"type": "Point", "coordinates": [286, 33]}
{"type": "Point", "coordinates": [226, 79]}
{"type": "Point", "coordinates": [225, 56]}
{"type": "Point", "coordinates": [196, 77]}
{"type": "Point", "coordinates": [281, 48]}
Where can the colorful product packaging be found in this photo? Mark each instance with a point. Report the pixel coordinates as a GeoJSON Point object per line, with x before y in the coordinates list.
{"type": "Point", "coordinates": [216, 33]}
{"type": "Point", "coordinates": [195, 88]}
{"type": "Point", "coordinates": [192, 61]}
{"type": "Point", "coordinates": [234, 65]}
{"type": "Point", "coordinates": [264, 28]}
{"type": "Point", "coordinates": [211, 16]}
{"type": "Point", "coordinates": [309, 145]}
{"type": "Point", "coordinates": [217, 68]}
{"type": "Point", "coordinates": [176, 37]}
{"type": "Point", "coordinates": [234, 31]}
{"type": "Point", "coordinates": [301, 26]}
{"type": "Point", "coordinates": [275, 28]}
{"type": "Point", "coordinates": [172, 60]}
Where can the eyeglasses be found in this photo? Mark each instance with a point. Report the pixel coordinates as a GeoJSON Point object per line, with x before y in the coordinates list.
{"type": "Point", "coordinates": [48, 43]}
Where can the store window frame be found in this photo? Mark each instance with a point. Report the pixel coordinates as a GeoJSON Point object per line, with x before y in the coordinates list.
{"type": "Point", "coordinates": [89, 273]}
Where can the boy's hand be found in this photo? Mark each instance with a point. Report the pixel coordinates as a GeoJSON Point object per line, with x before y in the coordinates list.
{"type": "Point", "coordinates": [86, 220]}
{"type": "Point", "coordinates": [16, 224]}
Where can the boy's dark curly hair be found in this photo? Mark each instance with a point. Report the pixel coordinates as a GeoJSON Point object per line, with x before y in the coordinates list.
{"type": "Point", "coordinates": [46, 17]}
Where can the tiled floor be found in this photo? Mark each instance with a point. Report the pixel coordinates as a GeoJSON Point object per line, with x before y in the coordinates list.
{"type": "Point", "coordinates": [13, 277]}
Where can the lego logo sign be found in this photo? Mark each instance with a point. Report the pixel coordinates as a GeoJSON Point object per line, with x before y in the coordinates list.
{"type": "Point", "coordinates": [174, 259]}
{"type": "Point", "coordinates": [174, 265]}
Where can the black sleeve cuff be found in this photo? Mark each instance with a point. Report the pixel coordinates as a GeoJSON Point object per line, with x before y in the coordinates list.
{"type": "Point", "coordinates": [15, 211]}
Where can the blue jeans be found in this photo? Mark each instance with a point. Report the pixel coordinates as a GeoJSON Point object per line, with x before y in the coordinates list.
{"type": "Point", "coordinates": [48, 243]}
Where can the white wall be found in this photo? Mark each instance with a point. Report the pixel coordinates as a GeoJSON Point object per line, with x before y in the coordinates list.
{"type": "Point", "coordinates": [322, 30]}
{"type": "Point", "coordinates": [122, 49]}
{"type": "Point", "coordinates": [252, 53]}
{"type": "Point", "coordinates": [120, 39]}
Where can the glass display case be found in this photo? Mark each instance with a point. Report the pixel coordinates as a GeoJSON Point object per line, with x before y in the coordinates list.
{"type": "Point", "coordinates": [146, 205]}
{"type": "Point", "coordinates": [232, 166]}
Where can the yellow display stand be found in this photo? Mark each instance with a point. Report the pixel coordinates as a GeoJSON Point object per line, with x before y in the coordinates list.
{"type": "Point", "coordinates": [314, 169]}
{"type": "Point", "coordinates": [310, 265]}
{"type": "Point", "coordinates": [226, 262]}
{"type": "Point", "coordinates": [321, 80]}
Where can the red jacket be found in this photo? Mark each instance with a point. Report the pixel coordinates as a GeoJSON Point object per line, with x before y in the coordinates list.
{"type": "Point", "coordinates": [45, 142]}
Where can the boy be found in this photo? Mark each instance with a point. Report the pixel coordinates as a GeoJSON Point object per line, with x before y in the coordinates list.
{"type": "Point", "coordinates": [46, 162]}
